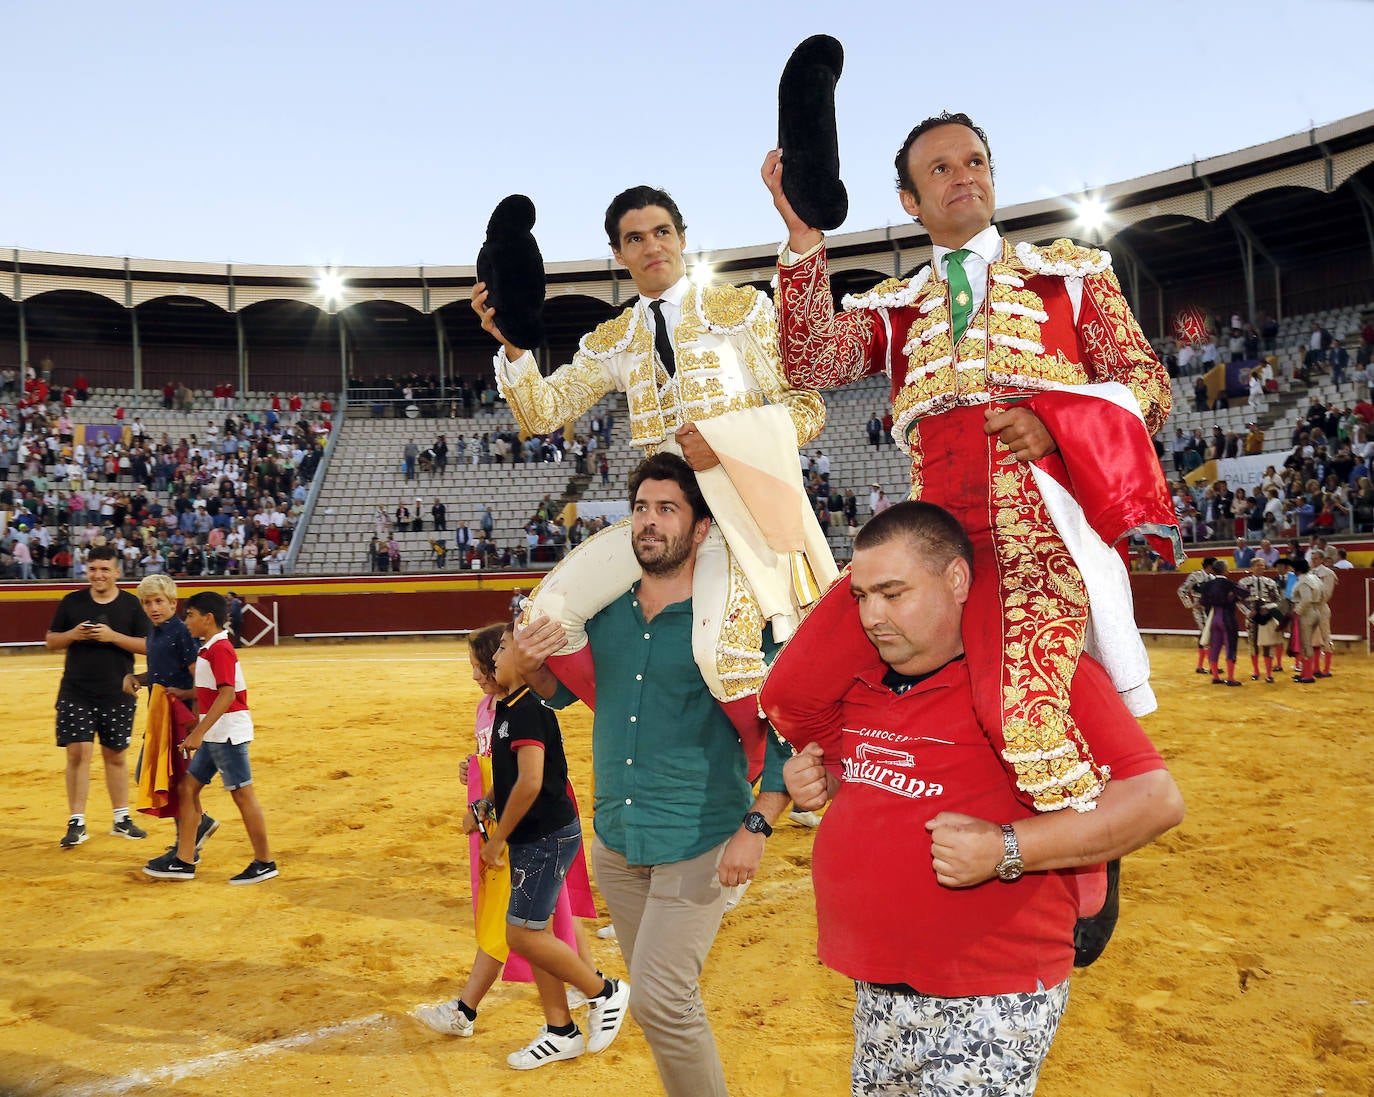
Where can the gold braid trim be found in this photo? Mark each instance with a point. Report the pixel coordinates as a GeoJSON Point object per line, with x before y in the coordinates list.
{"type": "Point", "coordinates": [1045, 607]}
{"type": "Point", "coordinates": [739, 653]}
{"type": "Point", "coordinates": [729, 309]}
{"type": "Point", "coordinates": [610, 336]}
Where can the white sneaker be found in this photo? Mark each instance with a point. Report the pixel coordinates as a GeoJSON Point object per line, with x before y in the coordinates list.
{"type": "Point", "coordinates": [576, 999]}
{"type": "Point", "coordinates": [605, 1015]}
{"type": "Point", "coordinates": [607, 932]}
{"type": "Point", "coordinates": [446, 1018]}
{"type": "Point", "coordinates": [547, 1047]}
{"type": "Point", "coordinates": [804, 818]}
{"type": "Point", "coordinates": [735, 894]}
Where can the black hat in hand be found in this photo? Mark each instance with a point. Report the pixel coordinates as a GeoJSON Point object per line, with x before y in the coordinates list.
{"type": "Point", "coordinates": [807, 135]}
{"type": "Point", "coordinates": [511, 266]}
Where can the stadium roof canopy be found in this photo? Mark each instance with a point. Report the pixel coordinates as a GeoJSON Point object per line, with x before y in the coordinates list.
{"type": "Point", "coordinates": [1283, 227]}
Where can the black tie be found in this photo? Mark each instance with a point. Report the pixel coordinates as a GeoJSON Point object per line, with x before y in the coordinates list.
{"type": "Point", "coordinates": [663, 342]}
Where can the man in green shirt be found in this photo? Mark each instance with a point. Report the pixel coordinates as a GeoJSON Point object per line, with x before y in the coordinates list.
{"type": "Point", "coordinates": [676, 822]}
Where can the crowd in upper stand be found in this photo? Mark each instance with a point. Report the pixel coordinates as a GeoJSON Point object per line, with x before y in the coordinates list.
{"type": "Point", "coordinates": [222, 499]}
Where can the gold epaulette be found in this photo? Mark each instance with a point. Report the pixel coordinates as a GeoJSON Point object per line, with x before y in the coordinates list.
{"type": "Point", "coordinates": [610, 336]}
{"type": "Point", "coordinates": [890, 293]}
{"type": "Point", "coordinates": [1064, 258]}
{"type": "Point", "coordinates": [727, 308]}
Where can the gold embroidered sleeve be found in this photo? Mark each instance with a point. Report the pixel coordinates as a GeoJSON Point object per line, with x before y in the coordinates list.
{"type": "Point", "coordinates": [1117, 350]}
{"type": "Point", "coordinates": [805, 406]}
{"type": "Point", "coordinates": [818, 347]}
{"type": "Point", "coordinates": [544, 404]}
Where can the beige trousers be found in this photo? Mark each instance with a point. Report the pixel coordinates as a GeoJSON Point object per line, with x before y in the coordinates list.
{"type": "Point", "coordinates": [666, 918]}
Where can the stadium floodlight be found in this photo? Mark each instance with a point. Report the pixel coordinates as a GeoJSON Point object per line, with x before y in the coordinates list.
{"type": "Point", "coordinates": [701, 272]}
{"type": "Point", "coordinates": [1092, 213]}
{"type": "Point", "coordinates": [331, 284]}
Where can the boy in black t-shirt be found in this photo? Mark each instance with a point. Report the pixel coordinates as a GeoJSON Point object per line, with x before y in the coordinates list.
{"type": "Point", "coordinates": [535, 815]}
{"type": "Point", "coordinates": [101, 629]}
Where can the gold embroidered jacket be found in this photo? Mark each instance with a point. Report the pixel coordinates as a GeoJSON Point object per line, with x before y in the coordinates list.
{"type": "Point", "coordinates": [1030, 334]}
{"type": "Point", "coordinates": [727, 360]}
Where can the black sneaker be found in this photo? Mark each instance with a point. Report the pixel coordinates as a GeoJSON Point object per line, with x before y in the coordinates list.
{"type": "Point", "coordinates": [255, 873]}
{"type": "Point", "coordinates": [170, 867]}
{"type": "Point", "coordinates": [76, 834]}
{"type": "Point", "coordinates": [206, 828]}
{"type": "Point", "coordinates": [127, 828]}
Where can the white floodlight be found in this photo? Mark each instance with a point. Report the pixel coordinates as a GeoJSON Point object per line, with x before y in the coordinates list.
{"type": "Point", "coordinates": [1092, 213]}
{"type": "Point", "coordinates": [331, 284]}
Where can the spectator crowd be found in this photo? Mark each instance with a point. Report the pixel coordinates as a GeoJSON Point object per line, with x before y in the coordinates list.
{"type": "Point", "coordinates": [223, 500]}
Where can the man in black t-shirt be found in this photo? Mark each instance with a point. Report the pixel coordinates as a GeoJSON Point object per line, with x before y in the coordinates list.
{"type": "Point", "coordinates": [101, 629]}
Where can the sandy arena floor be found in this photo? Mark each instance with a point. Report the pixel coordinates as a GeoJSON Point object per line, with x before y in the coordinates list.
{"type": "Point", "coordinates": [1243, 964]}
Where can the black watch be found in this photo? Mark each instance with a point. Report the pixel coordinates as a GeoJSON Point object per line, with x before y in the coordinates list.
{"type": "Point", "coordinates": [755, 823]}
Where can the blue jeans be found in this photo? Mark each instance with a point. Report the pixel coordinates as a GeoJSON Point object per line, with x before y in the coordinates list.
{"type": "Point", "coordinates": [229, 760]}
{"type": "Point", "coordinates": [537, 871]}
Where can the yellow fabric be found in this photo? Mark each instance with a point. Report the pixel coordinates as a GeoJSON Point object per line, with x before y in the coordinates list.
{"type": "Point", "coordinates": [155, 778]}
{"type": "Point", "coordinates": [493, 894]}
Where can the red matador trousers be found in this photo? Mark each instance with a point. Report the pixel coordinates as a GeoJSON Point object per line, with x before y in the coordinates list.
{"type": "Point", "coordinates": [1027, 611]}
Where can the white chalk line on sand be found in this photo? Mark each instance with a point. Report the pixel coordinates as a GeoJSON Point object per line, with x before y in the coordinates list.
{"type": "Point", "coordinates": [175, 1072]}
{"type": "Point", "coordinates": [55, 670]}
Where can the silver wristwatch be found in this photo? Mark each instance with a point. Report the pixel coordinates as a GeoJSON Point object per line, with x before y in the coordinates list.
{"type": "Point", "coordinates": [1009, 868]}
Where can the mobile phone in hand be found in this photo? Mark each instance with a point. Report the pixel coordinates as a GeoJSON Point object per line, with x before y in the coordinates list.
{"type": "Point", "coordinates": [477, 807]}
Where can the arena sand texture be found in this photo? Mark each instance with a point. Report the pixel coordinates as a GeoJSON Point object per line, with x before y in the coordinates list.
{"type": "Point", "coordinates": [1243, 964]}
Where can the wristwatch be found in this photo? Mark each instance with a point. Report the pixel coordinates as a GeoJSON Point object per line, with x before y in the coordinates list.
{"type": "Point", "coordinates": [1009, 868]}
{"type": "Point", "coordinates": [755, 823]}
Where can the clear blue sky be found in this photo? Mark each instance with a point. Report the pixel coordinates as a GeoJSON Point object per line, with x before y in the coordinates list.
{"type": "Point", "coordinates": [361, 134]}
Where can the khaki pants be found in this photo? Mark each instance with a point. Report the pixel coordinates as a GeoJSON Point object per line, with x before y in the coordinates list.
{"type": "Point", "coordinates": [666, 918]}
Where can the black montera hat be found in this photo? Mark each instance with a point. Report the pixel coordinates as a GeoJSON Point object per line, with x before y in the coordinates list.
{"type": "Point", "coordinates": [807, 134]}
{"type": "Point", "coordinates": [511, 266]}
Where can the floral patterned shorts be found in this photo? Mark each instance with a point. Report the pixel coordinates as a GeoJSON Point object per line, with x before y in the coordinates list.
{"type": "Point", "coordinates": [917, 1046]}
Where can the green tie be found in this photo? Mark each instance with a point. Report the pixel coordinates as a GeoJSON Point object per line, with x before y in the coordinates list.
{"type": "Point", "coordinates": [960, 293]}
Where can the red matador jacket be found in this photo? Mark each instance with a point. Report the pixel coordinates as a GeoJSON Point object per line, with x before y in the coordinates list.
{"type": "Point", "coordinates": [1054, 331]}
{"type": "Point", "coordinates": [1054, 321]}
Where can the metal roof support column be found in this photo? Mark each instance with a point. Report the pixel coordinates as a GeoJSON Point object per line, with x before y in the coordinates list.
{"type": "Point", "coordinates": [1159, 311]}
{"type": "Point", "coordinates": [243, 353]}
{"type": "Point", "coordinates": [138, 351]}
{"type": "Point", "coordinates": [441, 342]}
{"type": "Point", "coordinates": [343, 354]}
{"type": "Point", "coordinates": [133, 326]}
{"type": "Point", "coordinates": [438, 335]}
{"type": "Point", "coordinates": [242, 370]}
{"type": "Point", "coordinates": [23, 340]}
{"type": "Point", "coordinates": [1249, 245]}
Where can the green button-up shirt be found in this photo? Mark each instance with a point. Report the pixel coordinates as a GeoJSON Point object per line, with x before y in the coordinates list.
{"type": "Point", "coordinates": [671, 778]}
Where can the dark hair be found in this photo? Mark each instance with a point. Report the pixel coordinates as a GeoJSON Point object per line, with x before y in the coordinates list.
{"type": "Point", "coordinates": [640, 198]}
{"type": "Point", "coordinates": [944, 118]}
{"type": "Point", "coordinates": [483, 644]}
{"type": "Point", "coordinates": [669, 466]}
{"type": "Point", "coordinates": [103, 552]}
{"type": "Point", "coordinates": [1299, 564]}
{"type": "Point", "coordinates": [211, 602]}
{"type": "Point", "coordinates": [934, 533]}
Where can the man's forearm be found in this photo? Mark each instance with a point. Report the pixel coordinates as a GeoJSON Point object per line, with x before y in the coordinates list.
{"type": "Point", "coordinates": [542, 681]}
{"type": "Point", "coordinates": [770, 804]}
{"type": "Point", "coordinates": [1130, 813]}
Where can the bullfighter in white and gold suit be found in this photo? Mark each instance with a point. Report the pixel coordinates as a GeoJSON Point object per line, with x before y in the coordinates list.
{"type": "Point", "coordinates": [705, 382]}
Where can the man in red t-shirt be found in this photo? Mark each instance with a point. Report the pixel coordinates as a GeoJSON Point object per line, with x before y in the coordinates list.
{"type": "Point", "coordinates": [939, 889]}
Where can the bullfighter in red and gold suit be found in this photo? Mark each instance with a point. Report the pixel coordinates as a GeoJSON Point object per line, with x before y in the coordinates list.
{"type": "Point", "coordinates": [1026, 394]}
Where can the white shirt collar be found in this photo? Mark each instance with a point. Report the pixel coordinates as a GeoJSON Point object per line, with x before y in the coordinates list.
{"type": "Point", "coordinates": [987, 245]}
{"type": "Point", "coordinates": [672, 296]}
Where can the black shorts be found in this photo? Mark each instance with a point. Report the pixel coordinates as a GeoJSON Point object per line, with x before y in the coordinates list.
{"type": "Point", "coordinates": [83, 721]}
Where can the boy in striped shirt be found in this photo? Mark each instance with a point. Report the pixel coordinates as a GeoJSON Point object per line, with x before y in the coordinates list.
{"type": "Point", "coordinates": [220, 744]}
